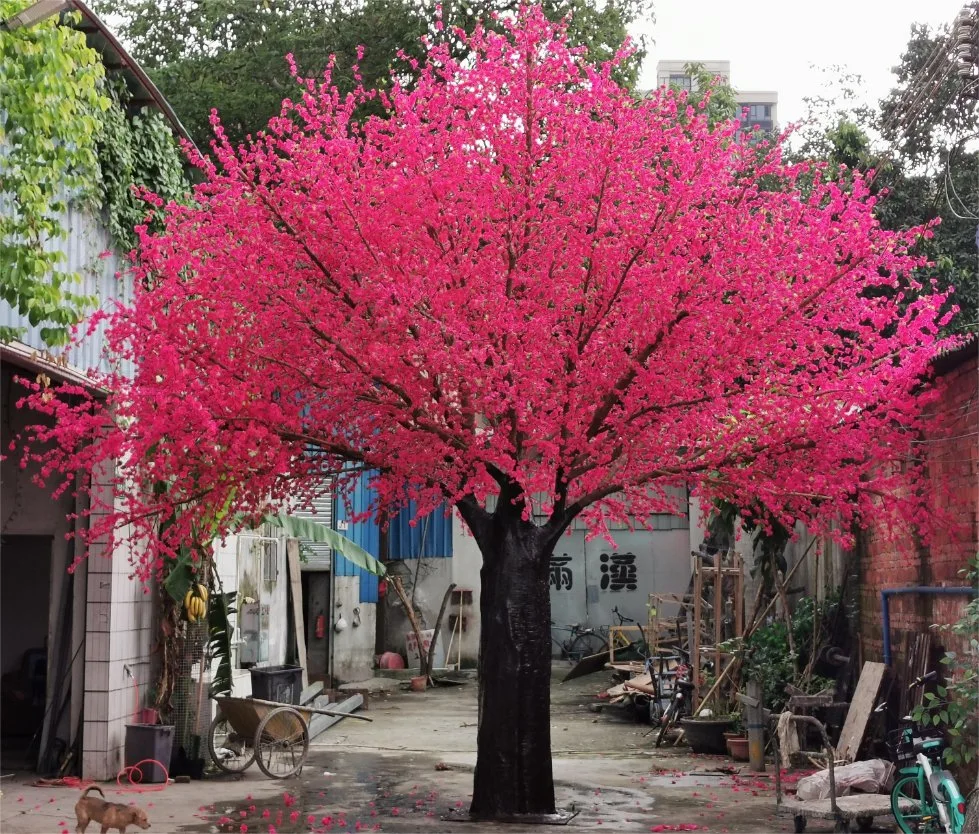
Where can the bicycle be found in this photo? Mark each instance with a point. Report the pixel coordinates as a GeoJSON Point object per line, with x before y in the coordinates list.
{"type": "Point", "coordinates": [679, 705]}
{"type": "Point", "coordinates": [925, 797]}
{"type": "Point", "coordinates": [591, 640]}
{"type": "Point", "coordinates": [581, 642]}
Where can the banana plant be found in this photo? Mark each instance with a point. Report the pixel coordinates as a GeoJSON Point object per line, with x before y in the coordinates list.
{"type": "Point", "coordinates": [219, 633]}
{"type": "Point", "coordinates": [305, 528]}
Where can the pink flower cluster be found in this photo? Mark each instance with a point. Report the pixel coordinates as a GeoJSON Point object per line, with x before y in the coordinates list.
{"type": "Point", "coordinates": [519, 279]}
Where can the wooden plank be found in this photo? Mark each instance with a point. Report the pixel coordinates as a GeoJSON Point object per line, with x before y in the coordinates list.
{"type": "Point", "coordinates": [638, 680]}
{"type": "Point", "coordinates": [861, 705]}
{"type": "Point", "coordinates": [296, 598]}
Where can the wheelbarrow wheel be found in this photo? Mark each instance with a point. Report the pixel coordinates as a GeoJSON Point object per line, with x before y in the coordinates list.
{"type": "Point", "coordinates": [230, 751]}
{"type": "Point", "coordinates": [282, 743]}
{"type": "Point", "coordinates": [799, 824]}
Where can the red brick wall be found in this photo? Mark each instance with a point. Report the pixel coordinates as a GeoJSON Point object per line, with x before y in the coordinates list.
{"type": "Point", "coordinates": [953, 457]}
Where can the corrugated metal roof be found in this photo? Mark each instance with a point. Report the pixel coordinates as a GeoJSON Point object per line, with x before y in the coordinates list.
{"type": "Point", "coordinates": [950, 358]}
{"type": "Point", "coordinates": [88, 248]}
{"type": "Point", "coordinates": [88, 251]}
{"type": "Point", "coordinates": [116, 59]}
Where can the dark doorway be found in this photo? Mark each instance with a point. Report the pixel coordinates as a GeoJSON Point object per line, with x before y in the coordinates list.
{"type": "Point", "coordinates": [25, 582]}
{"type": "Point", "coordinates": [316, 610]}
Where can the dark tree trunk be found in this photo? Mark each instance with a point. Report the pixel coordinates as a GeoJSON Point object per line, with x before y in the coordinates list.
{"type": "Point", "coordinates": [513, 763]}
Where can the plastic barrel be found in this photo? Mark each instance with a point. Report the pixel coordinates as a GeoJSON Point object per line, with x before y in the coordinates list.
{"type": "Point", "coordinates": [283, 684]}
{"type": "Point", "coordinates": [148, 741]}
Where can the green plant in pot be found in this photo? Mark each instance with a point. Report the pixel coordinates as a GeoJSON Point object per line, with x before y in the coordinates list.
{"type": "Point", "coordinates": [705, 732]}
{"type": "Point", "coordinates": [736, 739]}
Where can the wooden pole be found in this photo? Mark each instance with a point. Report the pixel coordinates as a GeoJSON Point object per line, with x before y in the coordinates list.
{"type": "Point", "coordinates": [756, 727]}
{"type": "Point", "coordinates": [410, 612]}
{"type": "Point", "coordinates": [755, 620]}
{"type": "Point", "coordinates": [306, 708]}
{"type": "Point", "coordinates": [437, 629]}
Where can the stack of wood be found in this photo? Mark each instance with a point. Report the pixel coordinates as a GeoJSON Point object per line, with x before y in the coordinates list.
{"type": "Point", "coordinates": [636, 679]}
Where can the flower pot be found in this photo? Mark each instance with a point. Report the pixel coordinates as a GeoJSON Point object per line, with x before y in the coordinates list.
{"type": "Point", "coordinates": [706, 735]}
{"type": "Point", "coordinates": [419, 683]}
{"type": "Point", "coordinates": [738, 748]}
{"type": "Point", "coordinates": [148, 715]}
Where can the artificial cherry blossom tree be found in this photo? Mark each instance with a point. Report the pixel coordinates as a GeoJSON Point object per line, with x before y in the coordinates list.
{"type": "Point", "coordinates": [526, 294]}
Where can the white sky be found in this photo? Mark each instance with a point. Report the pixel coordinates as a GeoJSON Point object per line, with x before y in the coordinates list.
{"type": "Point", "coordinates": [781, 45]}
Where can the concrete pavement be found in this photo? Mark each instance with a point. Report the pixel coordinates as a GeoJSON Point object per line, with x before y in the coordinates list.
{"type": "Point", "coordinates": [414, 763]}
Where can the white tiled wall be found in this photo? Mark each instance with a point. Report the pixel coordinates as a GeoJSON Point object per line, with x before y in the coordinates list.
{"type": "Point", "coordinates": [119, 621]}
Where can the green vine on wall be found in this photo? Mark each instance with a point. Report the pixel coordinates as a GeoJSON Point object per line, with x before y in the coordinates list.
{"type": "Point", "coordinates": [49, 125]}
{"type": "Point", "coordinates": [135, 151]}
{"type": "Point", "coordinates": [954, 707]}
{"type": "Point", "coordinates": [70, 139]}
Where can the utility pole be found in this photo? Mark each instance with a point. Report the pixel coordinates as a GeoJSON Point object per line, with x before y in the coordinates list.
{"type": "Point", "coordinates": [965, 39]}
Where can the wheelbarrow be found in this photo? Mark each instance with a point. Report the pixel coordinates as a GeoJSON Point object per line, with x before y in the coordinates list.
{"type": "Point", "coordinates": [274, 735]}
{"type": "Point", "coordinates": [853, 812]}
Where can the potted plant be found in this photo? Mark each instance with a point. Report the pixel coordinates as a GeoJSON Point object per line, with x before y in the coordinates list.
{"type": "Point", "coordinates": [705, 731]}
{"type": "Point", "coordinates": [737, 740]}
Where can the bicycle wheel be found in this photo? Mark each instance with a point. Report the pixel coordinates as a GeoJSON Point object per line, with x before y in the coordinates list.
{"type": "Point", "coordinates": [586, 644]}
{"type": "Point", "coordinates": [229, 751]}
{"type": "Point", "coordinates": [914, 810]}
{"type": "Point", "coordinates": [282, 743]}
{"type": "Point", "coordinates": [666, 722]}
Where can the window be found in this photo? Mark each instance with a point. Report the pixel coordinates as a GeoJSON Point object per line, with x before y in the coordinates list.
{"type": "Point", "coordinates": [756, 112]}
{"type": "Point", "coordinates": [681, 82]}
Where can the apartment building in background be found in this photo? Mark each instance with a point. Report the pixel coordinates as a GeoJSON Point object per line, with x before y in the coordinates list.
{"type": "Point", "coordinates": [759, 108]}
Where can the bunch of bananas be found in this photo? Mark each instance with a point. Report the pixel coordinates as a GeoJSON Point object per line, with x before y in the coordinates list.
{"type": "Point", "coordinates": [195, 603]}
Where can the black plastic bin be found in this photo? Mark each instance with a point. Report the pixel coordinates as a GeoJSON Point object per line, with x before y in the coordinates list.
{"type": "Point", "coordinates": [149, 741]}
{"type": "Point", "coordinates": [278, 683]}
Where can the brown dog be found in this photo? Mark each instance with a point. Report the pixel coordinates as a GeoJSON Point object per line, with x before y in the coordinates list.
{"type": "Point", "coordinates": [108, 814]}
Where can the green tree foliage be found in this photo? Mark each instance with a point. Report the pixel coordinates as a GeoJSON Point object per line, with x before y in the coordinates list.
{"type": "Point", "coordinates": [955, 706]}
{"type": "Point", "coordinates": [926, 127]}
{"type": "Point", "coordinates": [49, 128]}
{"type": "Point", "coordinates": [722, 105]}
{"type": "Point", "coordinates": [230, 54]}
{"type": "Point", "coordinates": [137, 150]}
{"type": "Point", "coordinates": [915, 142]}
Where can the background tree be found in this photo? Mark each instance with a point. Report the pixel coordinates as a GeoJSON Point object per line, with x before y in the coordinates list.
{"type": "Point", "coordinates": [52, 104]}
{"type": "Point", "coordinates": [229, 55]}
{"type": "Point", "coordinates": [917, 143]}
{"type": "Point", "coordinates": [927, 122]}
{"type": "Point", "coordinates": [523, 293]}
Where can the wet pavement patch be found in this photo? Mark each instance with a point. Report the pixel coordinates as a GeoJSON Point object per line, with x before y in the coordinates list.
{"type": "Point", "coordinates": [687, 780]}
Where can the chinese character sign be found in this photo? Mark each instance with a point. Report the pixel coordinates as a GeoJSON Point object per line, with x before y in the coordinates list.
{"type": "Point", "coordinates": [618, 572]}
{"type": "Point", "coordinates": [561, 578]}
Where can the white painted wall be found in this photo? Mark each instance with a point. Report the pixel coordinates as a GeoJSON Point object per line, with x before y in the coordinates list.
{"type": "Point", "coordinates": [353, 647]}
{"type": "Point", "coordinates": [467, 562]}
{"type": "Point", "coordinates": [434, 576]}
{"type": "Point", "coordinates": [234, 560]}
{"type": "Point", "coordinates": [590, 579]}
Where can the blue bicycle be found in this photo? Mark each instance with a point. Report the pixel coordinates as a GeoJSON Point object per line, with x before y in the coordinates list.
{"type": "Point", "coordinates": [925, 797]}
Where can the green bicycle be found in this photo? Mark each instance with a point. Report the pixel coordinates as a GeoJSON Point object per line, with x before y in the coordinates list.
{"type": "Point", "coordinates": [925, 797]}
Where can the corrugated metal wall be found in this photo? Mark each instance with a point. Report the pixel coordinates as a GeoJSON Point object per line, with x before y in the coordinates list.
{"type": "Point", "coordinates": [89, 251]}
{"type": "Point", "coordinates": [365, 533]}
{"type": "Point", "coordinates": [320, 556]}
{"type": "Point", "coordinates": [430, 537]}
